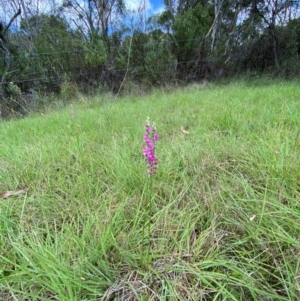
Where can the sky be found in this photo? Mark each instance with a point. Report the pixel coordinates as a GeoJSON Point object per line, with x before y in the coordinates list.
{"type": "Point", "coordinates": [44, 6]}
{"type": "Point", "coordinates": [158, 5]}
{"type": "Point", "coordinates": [152, 6]}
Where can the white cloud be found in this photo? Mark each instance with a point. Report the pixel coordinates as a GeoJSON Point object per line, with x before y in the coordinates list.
{"type": "Point", "coordinates": [158, 10]}
{"type": "Point", "coordinates": [137, 5]}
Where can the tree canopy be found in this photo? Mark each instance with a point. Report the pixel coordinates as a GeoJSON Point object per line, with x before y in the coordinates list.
{"type": "Point", "coordinates": [95, 43]}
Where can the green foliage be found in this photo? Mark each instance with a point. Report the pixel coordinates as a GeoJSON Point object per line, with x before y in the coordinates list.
{"type": "Point", "coordinates": [289, 37]}
{"type": "Point", "coordinates": [48, 49]}
{"type": "Point", "coordinates": [13, 90]}
{"type": "Point", "coordinates": [94, 52]}
{"type": "Point", "coordinates": [69, 91]}
{"type": "Point", "coordinates": [189, 28]}
{"type": "Point", "coordinates": [159, 60]}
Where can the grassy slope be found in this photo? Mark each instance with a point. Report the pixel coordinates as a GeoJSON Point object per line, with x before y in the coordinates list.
{"type": "Point", "coordinates": [225, 222]}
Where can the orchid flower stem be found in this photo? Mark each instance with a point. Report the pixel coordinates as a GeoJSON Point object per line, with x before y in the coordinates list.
{"type": "Point", "coordinates": [150, 138]}
{"type": "Point", "coordinates": [149, 205]}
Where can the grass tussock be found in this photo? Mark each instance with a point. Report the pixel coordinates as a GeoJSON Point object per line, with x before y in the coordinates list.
{"type": "Point", "coordinates": [225, 211]}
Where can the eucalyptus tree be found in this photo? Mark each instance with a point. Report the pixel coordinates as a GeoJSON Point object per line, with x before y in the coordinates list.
{"type": "Point", "coordinates": [188, 22]}
{"type": "Point", "coordinates": [6, 47]}
{"type": "Point", "coordinates": [94, 17]}
{"type": "Point", "coordinates": [3, 37]}
{"type": "Point", "coordinates": [97, 20]}
{"type": "Point", "coordinates": [58, 51]}
{"type": "Point", "coordinates": [270, 12]}
{"type": "Point", "coordinates": [241, 28]}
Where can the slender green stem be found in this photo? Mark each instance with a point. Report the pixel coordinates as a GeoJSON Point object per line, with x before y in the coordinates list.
{"type": "Point", "coordinates": [150, 212]}
{"type": "Point", "coordinates": [146, 256]}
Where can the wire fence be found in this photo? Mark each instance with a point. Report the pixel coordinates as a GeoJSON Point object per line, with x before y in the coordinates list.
{"type": "Point", "coordinates": [85, 47]}
{"type": "Point", "coordinates": [52, 68]}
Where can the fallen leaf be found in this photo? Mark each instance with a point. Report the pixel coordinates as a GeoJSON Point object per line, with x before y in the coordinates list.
{"type": "Point", "coordinates": [184, 131]}
{"type": "Point", "coordinates": [8, 193]}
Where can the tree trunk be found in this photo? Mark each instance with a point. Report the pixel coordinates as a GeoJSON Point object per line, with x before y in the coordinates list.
{"type": "Point", "coordinates": [217, 9]}
{"type": "Point", "coordinates": [3, 41]}
{"type": "Point", "coordinates": [272, 28]}
{"type": "Point", "coordinates": [274, 45]}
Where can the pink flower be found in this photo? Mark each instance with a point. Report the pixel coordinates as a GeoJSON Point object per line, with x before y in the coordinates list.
{"type": "Point", "coordinates": [150, 137]}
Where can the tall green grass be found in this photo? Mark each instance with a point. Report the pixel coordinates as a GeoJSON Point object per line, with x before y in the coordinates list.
{"type": "Point", "coordinates": [226, 200]}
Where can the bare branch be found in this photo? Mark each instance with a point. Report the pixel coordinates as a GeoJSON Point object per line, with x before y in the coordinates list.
{"type": "Point", "coordinates": [11, 20]}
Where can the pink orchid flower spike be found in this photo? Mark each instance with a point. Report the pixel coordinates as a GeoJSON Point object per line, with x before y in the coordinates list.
{"type": "Point", "coordinates": [150, 138]}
